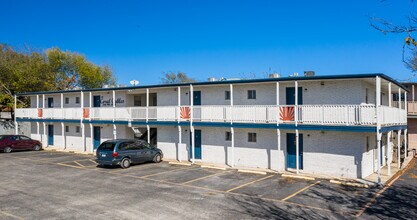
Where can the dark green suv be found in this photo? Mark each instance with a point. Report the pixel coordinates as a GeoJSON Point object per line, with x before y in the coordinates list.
{"type": "Point", "coordinates": [125, 152]}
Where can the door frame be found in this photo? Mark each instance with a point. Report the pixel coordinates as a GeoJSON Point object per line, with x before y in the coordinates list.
{"type": "Point", "coordinates": [196, 101]}
{"type": "Point", "coordinates": [197, 147]}
{"type": "Point", "coordinates": [94, 101]}
{"type": "Point", "coordinates": [51, 135]}
{"type": "Point", "coordinates": [96, 141]}
{"type": "Point", "coordinates": [290, 95]}
{"type": "Point", "coordinates": [291, 161]}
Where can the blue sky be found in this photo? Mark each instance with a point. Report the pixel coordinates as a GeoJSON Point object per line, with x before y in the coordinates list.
{"type": "Point", "coordinates": [213, 38]}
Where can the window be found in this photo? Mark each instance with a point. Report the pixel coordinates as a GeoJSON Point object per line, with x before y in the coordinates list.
{"type": "Point", "coordinates": [107, 146]}
{"type": "Point", "coordinates": [127, 146]}
{"type": "Point", "coordinates": [251, 137]}
{"type": "Point", "coordinates": [77, 129]}
{"type": "Point", "coordinates": [66, 100]}
{"type": "Point", "coordinates": [251, 94]}
{"type": "Point", "coordinates": [24, 138]}
{"type": "Point", "coordinates": [137, 101]}
{"type": "Point", "coordinates": [228, 136]}
{"type": "Point", "coordinates": [227, 95]}
{"type": "Point", "coordinates": [77, 100]}
{"type": "Point", "coordinates": [67, 129]}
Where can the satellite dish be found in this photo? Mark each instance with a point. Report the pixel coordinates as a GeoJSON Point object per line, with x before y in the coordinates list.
{"type": "Point", "coordinates": [134, 82]}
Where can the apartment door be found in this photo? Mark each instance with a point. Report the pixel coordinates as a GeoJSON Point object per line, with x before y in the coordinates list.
{"type": "Point", "coordinates": [197, 98]}
{"type": "Point", "coordinates": [197, 142]}
{"type": "Point", "coordinates": [96, 137]}
{"type": "Point", "coordinates": [290, 95]}
{"type": "Point", "coordinates": [292, 151]}
{"type": "Point", "coordinates": [96, 101]}
{"type": "Point", "coordinates": [50, 102]}
{"type": "Point", "coordinates": [50, 135]}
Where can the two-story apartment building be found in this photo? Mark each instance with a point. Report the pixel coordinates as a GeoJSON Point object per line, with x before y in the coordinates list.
{"type": "Point", "coordinates": [336, 125]}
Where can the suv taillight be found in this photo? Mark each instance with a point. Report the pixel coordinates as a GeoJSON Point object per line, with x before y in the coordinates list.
{"type": "Point", "coordinates": [115, 154]}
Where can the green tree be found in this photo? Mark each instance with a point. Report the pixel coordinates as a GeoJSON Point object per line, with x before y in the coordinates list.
{"type": "Point", "coordinates": [33, 71]}
{"type": "Point", "coordinates": [179, 77]}
{"type": "Point", "coordinates": [73, 69]}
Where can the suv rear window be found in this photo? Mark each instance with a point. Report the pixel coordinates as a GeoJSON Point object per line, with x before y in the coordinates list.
{"type": "Point", "coordinates": [2, 137]}
{"type": "Point", "coordinates": [107, 146]}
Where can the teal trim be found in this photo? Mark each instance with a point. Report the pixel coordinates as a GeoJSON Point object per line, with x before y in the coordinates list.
{"type": "Point", "coordinates": [392, 128]}
{"type": "Point", "coordinates": [47, 120]}
{"type": "Point", "coordinates": [234, 125]}
{"type": "Point", "coordinates": [298, 78]}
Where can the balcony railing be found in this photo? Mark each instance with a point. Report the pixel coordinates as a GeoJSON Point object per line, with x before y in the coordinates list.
{"type": "Point", "coordinates": [349, 115]}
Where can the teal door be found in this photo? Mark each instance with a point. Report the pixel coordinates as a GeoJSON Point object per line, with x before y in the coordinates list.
{"type": "Point", "coordinates": [96, 101]}
{"type": "Point", "coordinates": [197, 142]}
{"type": "Point", "coordinates": [50, 135]}
{"type": "Point", "coordinates": [96, 137]}
{"type": "Point", "coordinates": [292, 151]}
{"type": "Point", "coordinates": [290, 95]}
{"type": "Point", "coordinates": [50, 102]}
{"type": "Point", "coordinates": [197, 98]}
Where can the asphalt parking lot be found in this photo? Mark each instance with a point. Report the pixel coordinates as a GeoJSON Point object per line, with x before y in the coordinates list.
{"type": "Point", "coordinates": [55, 185]}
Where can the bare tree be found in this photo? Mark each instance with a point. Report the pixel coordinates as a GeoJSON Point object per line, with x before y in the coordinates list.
{"type": "Point", "coordinates": [178, 77]}
{"type": "Point", "coordinates": [409, 53]}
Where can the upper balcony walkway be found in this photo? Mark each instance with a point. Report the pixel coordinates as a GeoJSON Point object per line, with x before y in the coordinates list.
{"type": "Point", "coordinates": [346, 115]}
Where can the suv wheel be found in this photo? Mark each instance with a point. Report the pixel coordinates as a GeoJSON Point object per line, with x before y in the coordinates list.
{"type": "Point", "coordinates": [125, 163]}
{"type": "Point", "coordinates": [157, 158]}
{"type": "Point", "coordinates": [7, 150]}
{"type": "Point", "coordinates": [37, 147]}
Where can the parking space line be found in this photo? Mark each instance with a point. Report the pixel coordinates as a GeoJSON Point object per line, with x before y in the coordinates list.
{"type": "Point", "coordinates": [246, 184]}
{"type": "Point", "coordinates": [301, 190]}
{"type": "Point", "coordinates": [168, 171]}
{"type": "Point", "coordinates": [78, 163]}
{"type": "Point", "coordinates": [204, 177]}
{"type": "Point", "coordinates": [70, 161]}
{"type": "Point", "coordinates": [10, 215]}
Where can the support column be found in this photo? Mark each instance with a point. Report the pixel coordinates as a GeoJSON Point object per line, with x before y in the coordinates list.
{"type": "Point", "coordinates": [232, 131]}
{"type": "Point", "coordinates": [279, 149]}
{"type": "Point", "coordinates": [389, 152]}
{"type": "Point", "coordinates": [148, 129]}
{"type": "Point", "coordinates": [92, 138]}
{"type": "Point", "coordinates": [62, 100]}
{"type": "Point", "coordinates": [44, 134]}
{"type": "Point", "coordinates": [179, 104]}
{"type": "Point", "coordinates": [37, 101]}
{"type": "Point", "coordinates": [399, 98]}
{"type": "Point", "coordinates": [297, 151]}
{"type": "Point", "coordinates": [231, 94]}
{"type": "Point", "coordinates": [16, 126]}
{"type": "Point", "coordinates": [43, 100]}
{"type": "Point", "coordinates": [147, 105]}
{"type": "Point", "coordinates": [399, 149]}
{"type": "Point", "coordinates": [90, 99]}
{"type": "Point", "coordinates": [405, 143]}
{"type": "Point", "coordinates": [389, 95]}
{"type": "Point", "coordinates": [296, 106]}
{"type": "Point", "coordinates": [114, 105]}
{"type": "Point", "coordinates": [277, 94]}
{"type": "Point", "coordinates": [179, 143]}
{"type": "Point", "coordinates": [63, 135]}
{"type": "Point", "coordinates": [412, 88]}
{"type": "Point", "coordinates": [38, 131]}
{"type": "Point", "coordinates": [405, 102]}
{"type": "Point", "coordinates": [114, 131]}
{"type": "Point", "coordinates": [378, 145]}
{"type": "Point", "coordinates": [192, 145]}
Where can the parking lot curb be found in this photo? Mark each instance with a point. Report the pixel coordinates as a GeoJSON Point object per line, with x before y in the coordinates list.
{"type": "Point", "coordinates": [252, 171]}
{"type": "Point", "coordinates": [179, 163]}
{"type": "Point", "coordinates": [298, 177]}
{"type": "Point", "coordinates": [213, 167]}
{"type": "Point", "coordinates": [345, 183]}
